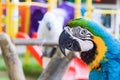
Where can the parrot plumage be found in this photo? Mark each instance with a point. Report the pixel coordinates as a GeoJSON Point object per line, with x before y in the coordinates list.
{"type": "Point", "coordinates": [49, 28]}
{"type": "Point", "coordinates": [97, 47]}
{"type": "Point", "coordinates": [49, 31]}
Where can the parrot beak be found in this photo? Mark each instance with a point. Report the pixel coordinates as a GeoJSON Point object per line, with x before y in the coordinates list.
{"type": "Point", "coordinates": [67, 42]}
{"type": "Point", "coordinates": [49, 26]}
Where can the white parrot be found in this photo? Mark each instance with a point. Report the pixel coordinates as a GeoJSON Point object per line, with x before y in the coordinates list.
{"type": "Point", "coordinates": [50, 28]}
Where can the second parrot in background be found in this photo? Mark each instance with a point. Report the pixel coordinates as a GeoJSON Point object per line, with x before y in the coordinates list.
{"type": "Point", "coordinates": [49, 30]}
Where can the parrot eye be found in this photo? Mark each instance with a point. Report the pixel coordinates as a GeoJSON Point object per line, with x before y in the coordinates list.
{"type": "Point", "coordinates": [83, 32]}
{"type": "Point", "coordinates": [89, 35]}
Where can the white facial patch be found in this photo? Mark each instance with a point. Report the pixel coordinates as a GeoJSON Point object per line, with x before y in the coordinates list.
{"type": "Point", "coordinates": [86, 45]}
{"type": "Point", "coordinates": [83, 38]}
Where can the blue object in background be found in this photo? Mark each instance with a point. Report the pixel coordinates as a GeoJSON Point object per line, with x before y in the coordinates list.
{"type": "Point", "coordinates": [83, 10]}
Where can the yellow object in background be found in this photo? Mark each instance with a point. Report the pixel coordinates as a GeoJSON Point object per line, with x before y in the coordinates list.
{"type": "Point", "coordinates": [27, 27]}
{"type": "Point", "coordinates": [52, 4]}
{"type": "Point", "coordinates": [12, 19]}
{"type": "Point", "coordinates": [77, 8]}
{"type": "Point", "coordinates": [1, 14]}
{"type": "Point", "coordinates": [89, 9]}
{"type": "Point", "coordinates": [27, 24]}
{"type": "Point", "coordinates": [8, 17]}
{"type": "Point", "coordinates": [27, 57]}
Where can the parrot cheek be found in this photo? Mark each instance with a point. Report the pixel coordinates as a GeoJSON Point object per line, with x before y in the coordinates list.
{"type": "Point", "coordinates": [86, 45]}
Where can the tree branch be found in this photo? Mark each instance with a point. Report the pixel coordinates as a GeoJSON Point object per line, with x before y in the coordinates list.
{"type": "Point", "coordinates": [57, 66]}
{"type": "Point", "coordinates": [11, 59]}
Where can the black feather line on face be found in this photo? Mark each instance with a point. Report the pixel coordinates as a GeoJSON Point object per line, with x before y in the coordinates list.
{"type": "Point", "coordinates": [89, 56]}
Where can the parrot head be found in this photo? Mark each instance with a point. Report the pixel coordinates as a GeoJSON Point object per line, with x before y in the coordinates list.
{"type": "Point", "coordinates": [78, 35]}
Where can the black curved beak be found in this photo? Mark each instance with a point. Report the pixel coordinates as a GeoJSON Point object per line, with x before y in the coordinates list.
{"type": "Point", "coordinates": [67, 42]}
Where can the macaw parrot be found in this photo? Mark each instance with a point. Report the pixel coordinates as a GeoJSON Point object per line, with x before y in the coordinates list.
{"type": "Point", "coordinates": [97, 48]}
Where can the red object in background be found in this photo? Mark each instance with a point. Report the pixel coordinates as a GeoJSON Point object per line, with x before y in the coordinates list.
{"type": "Point", "coordinates": [36, 51]}
{"type": "Point", "coordinates": [98, 0]}
{"type": "Point", "coordinates": [34, 35]}
{"type": "Point", "coordinates": [105, 1]}
{"type": "Point", "coordinates": [22, 11]}
{"type": "Point", "coordinates": [77, 70]}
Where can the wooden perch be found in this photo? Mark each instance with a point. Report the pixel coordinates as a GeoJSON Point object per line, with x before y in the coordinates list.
{"type": "Point", "coordinates": [57, 67]}
{"type": "Point", "coordinates": [11, 59]}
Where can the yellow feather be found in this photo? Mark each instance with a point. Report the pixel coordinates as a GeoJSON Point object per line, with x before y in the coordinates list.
{"type": "Point", "coordinates": [101, 50]}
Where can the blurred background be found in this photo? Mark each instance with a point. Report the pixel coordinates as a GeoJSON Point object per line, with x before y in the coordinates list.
{"type": "Point", "coordinates": [45, 20]}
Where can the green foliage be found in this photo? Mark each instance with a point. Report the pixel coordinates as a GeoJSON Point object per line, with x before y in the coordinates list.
{"type": "Point", "coordinates": [33, 69]}
{"type": "Point", "coordinates": [2, 64]}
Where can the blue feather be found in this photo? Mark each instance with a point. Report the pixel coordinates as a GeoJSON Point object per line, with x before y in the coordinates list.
{"type": "Point", "coordinates": [110, 70]}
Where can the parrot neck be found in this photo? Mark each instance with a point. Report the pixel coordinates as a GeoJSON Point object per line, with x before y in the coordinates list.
{"type": "Point", "coordinates": [101, 50]}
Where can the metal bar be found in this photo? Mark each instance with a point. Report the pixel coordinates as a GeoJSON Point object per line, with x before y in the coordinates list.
{"type": "Point", "coordinates": [32, 42]}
